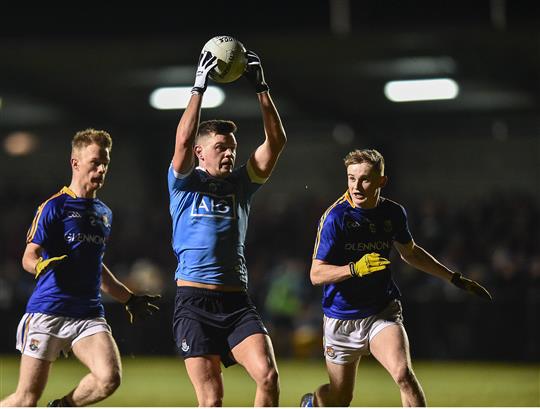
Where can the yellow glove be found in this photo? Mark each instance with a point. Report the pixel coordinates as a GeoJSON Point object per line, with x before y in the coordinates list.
{"type": "Point", "coordinates": [368, 264]}
{"type": "Point", "coordinates": [43, 265]}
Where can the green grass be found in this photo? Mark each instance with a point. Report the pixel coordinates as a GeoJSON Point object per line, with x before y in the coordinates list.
{"type": "Point", "coordinates": [151, 381]}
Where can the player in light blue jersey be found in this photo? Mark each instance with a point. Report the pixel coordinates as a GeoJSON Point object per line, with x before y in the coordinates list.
{"type": "Point", "coordinates": [215, 321]}
{"type": "Point", "coordinates": [362, 312]}
{"type": "Point", "coordinates": [65, 247]}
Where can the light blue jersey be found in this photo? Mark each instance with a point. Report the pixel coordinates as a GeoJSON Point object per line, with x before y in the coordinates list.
{"type": "Point", "coordinates": [209, 224]}
{"type": "Point", "coordinates": [79, 228]}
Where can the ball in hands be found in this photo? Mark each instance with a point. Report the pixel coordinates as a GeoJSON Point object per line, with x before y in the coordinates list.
{"type": "Point", "coordinates": [231, 58]}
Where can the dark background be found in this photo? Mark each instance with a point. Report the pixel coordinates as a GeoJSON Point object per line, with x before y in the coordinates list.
{"type": "Point", "coordinates": [467, 170]}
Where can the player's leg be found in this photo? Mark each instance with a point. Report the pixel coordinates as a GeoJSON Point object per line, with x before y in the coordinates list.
{"type": "Point", "coordinates": [256, 354]}
{"type": "Point", "coordinates": [344, 343]}
{"type": "Point", "coordinates": [205, 375]}
{"type": "Point", "coordinates": [390, 347]}
{"type": "Point", "coordinates": [99, 353]}
{"type": "Point", "coordinates": [33, 375]}
{"type": "Point", "coordinates": [339, 391]}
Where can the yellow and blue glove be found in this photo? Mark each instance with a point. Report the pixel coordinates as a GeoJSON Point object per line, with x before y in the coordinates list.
{"type": "Point", "coordinates": [368, 264]}
{"type": "Point", "coordinates": [44, 265]}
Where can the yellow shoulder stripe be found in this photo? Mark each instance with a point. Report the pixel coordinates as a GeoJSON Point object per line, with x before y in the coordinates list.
{"type": "Point", "coordinates": [33, 227]}
{"type": "Point", "coordinates": [321, 223]}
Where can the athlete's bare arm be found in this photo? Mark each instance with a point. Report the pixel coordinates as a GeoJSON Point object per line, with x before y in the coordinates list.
{"type": "Point", "coordinates": [183, 158]}
{"type": "Point", "coordinates": [186, 131]}
{"type": "Point", "coordinates": [112, 286]}
{"type": "Point", "coordinates": [31, 256]}
{"type": "Point", "coordinates": [264, 158]}
{"type": "Point", "coordinates": [419, 258]}
{"type": "Point", "coordinates": [323, 273]}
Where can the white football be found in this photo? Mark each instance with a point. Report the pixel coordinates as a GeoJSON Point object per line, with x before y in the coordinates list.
{"type": "Point", "coordinates": [231, 58]}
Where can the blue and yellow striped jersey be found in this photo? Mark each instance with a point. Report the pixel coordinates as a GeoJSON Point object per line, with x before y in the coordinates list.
{"type": "Point", "coordinates": [78, 227]}
{"type": "Point", "coordinates": [345, 234]}
{"type": "Point", "coordinates": [209, 224]}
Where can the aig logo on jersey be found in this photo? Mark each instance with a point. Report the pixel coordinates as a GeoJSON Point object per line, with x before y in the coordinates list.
{"type": "Point", "coordinates": [207, 205]}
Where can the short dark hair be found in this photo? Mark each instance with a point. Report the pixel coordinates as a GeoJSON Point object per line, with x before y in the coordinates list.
{"type": "Point", "coordinates": [90, 136]}
{"type": "Point", "coordinates": [370, 156]}
{"type": "Point", "coordinates": [216, 126]}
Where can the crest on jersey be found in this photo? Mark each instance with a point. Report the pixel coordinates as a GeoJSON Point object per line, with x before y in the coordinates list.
{"type": "Point", "coordinates": [185, 346]}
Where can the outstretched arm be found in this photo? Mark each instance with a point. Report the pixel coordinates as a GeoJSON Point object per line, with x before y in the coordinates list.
{"type": "Point", "coordinates": [419, 258]}
{"type": "Point", "coordinates": [112, 286]}
{"type": "Point", "coordinates": [186, 131]}
{"type": "Point", "coordinates": [266, 155]}
{"type": "Point", "coordinates": [138, 307]}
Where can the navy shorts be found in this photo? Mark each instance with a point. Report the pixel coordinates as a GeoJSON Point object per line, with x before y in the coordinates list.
{"type": "Point", "coordinates": [209, 322]}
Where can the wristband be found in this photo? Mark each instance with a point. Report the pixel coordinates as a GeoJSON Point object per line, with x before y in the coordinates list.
{"type": "Point", "coordinates": [352, 270]}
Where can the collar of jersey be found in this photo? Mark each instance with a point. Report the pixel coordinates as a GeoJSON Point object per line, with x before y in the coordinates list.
{"type": "Point", "coordinates": [69, 192]}
{"type": "Point", "coordinates": [208, 175]}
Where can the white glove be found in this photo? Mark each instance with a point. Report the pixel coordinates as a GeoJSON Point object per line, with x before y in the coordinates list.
{"type": "Point", "coordinates": [206, 63]}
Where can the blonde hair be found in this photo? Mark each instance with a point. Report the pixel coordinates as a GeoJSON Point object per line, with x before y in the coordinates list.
{"type": "Point", "coordinates": [371, 156]}
{"type": "Point", "coordinates": [89, 136]}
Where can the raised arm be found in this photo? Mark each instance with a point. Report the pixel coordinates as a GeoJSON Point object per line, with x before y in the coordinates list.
{"type": "Point", "coordinates": [183, 158]}
{"type": "Point", "coordinates": [266, 155]}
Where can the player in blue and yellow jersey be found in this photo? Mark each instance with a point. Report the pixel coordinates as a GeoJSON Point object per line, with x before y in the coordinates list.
{"type": "Point", "coordinates": [65, 247]}
{"type": "Point", "coordinates": [215, 321]}
{"type": "Point", "coordinates": [362, 311]}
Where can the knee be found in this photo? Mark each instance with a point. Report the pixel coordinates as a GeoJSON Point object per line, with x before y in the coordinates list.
{"type": "Point", "coordinates": [404, 376]}
{"type": "Point", "coordinates": [109, 382]}
{"type": "Point", "coordinates": [269, 380]}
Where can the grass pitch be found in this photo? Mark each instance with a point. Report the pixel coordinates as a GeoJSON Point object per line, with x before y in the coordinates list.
{"type": "Point", "coordinates": [162, 381]}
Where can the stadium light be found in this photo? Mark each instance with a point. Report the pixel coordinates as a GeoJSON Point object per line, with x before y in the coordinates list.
{"type": "Point", "coordinates": [421, 90]}
{"type": "Point", "coordinates": [178, 97]}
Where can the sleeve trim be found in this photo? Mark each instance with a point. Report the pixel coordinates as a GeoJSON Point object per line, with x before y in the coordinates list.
{"type": "Point", "coordinates": [253, 174]}
{"type": "Point", "coordinates": [179, 175]}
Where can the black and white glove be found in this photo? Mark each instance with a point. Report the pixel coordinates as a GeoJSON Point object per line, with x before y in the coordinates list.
{"type": "Point", "coordinates": [206, 63]}
{"type": "Point", "coordinates": [254, 72]}
{"type": "Point", "coordinates": [140, 307]}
